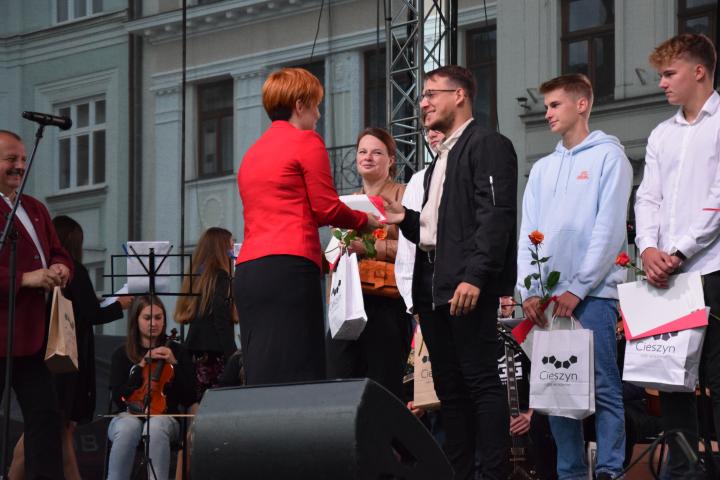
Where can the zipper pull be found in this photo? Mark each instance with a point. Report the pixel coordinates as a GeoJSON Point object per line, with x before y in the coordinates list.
{"type": "Point", "coordinates": [492, 189]}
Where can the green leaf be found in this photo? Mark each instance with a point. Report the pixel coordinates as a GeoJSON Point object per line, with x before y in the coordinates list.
{"type": "Point", "coordinates": [534, 262]}
{"type": "Point", "coordinates": [534, 255]}
{"type": "Point", "coordinates": [369, 245]}
{"type": "Point", "coordinates": [528, 279]}
{"type": "Point", "coordinates": [351, 235]}
{"type": "Point", "coordinates": [536, 276]}
{"type": "Point", "coordinates": [337, 234]}
{"type": "Point", "coordinates": [544, 259]}
{"type": "Point", "coordinates": [553, 279]}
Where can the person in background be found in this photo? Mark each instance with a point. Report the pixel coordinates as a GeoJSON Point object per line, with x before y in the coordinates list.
{"type": "Point", "coordinates": [76, 390]}
{"type": "Point", "coordinates": [381, 350]}
{"type": "Point", "coordinates": [42, 264]}
{"type": "Point", "coordinates": [287, 193]}
{"type": "Point", "coordinates": [146, 340]}
{"type": "Point", "coordinates": [209, 313]}
{"type": "Point", "coordinates": [675, 230]}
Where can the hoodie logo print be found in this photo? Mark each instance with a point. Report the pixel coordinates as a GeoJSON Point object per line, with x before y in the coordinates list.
{"type": "Point", "coordinates": [583, 175]}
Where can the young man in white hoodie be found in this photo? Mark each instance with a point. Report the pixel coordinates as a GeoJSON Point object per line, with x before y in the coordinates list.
{"type": "Point", "coordinates": [577, 197]}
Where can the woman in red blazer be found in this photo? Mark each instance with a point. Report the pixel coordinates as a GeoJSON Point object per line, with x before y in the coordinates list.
{"type": "Point", "coordinates": [287, 194]}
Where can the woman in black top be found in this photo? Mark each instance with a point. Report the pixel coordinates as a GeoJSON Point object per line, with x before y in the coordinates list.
{"type": "Point", "coordinates": [210, 314]}
{"type": "Point", "coordinates": [146, 339]}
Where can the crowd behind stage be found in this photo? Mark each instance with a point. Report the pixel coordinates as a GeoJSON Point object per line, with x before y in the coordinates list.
{"type": "Point", "coordinates": [450, 241]}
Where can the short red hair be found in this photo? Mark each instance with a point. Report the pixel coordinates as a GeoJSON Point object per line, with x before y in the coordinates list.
{"type": "Point", "coordinates": [284, 87]}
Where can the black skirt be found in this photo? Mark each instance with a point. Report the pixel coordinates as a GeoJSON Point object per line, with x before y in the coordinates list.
{"type": "Point", "coordinates": [279, 304]}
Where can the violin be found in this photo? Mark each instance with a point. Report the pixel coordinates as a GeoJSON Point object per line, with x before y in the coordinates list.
{"type": "Point", "coordinates": [161, 375]}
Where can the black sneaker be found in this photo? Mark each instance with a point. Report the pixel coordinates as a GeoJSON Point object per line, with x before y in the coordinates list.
{"type": "Point", "coordinates": [603, 476]}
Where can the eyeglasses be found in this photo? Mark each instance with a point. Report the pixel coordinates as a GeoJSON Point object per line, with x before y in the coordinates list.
{"type": "Point", "coordinates": [429, 94]}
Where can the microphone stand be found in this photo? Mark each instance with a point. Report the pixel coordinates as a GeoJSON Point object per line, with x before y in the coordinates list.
{"type": "Point", "coordinates": [9, 233]}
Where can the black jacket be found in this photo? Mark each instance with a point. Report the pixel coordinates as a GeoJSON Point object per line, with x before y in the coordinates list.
{"type": "Point", "coordinates": [477, 222]}
{"type": "Point", "coordinates": [213, 330]}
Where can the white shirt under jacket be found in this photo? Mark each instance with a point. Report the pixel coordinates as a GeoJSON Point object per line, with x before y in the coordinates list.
{"type": "Point", "coordinates": [405, 255]}
{"type": "Point", "coordinates": [681, 178]}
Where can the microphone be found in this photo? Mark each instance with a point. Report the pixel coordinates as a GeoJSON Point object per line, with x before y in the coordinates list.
{"type": "Point", "coordinates": [46, 119]}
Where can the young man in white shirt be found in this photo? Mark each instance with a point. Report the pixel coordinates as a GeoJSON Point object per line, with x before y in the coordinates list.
{"type": "Point", "coordinates": [675, 232]}
{"type": "Point", "coordinates": [577, 197]}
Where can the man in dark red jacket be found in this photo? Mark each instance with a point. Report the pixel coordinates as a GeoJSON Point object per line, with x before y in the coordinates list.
{"type": "Point", "coordinates": [41, 265]}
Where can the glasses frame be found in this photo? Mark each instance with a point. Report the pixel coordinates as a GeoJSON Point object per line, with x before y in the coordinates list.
{"type": "Point", "coordinates": [428, 94]}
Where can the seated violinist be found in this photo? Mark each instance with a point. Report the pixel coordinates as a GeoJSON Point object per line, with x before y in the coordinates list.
{"type": "Point", "coordinates": [147, 353]}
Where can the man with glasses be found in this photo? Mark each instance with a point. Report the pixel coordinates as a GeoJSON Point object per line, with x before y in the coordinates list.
{"type": "Point", "coordinates": [465, 233]}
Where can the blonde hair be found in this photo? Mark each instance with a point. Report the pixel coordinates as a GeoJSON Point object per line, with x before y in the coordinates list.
{"type": "Point", "coordinates": [283, 88]}
{"type": "Point", "coordinates": [209, 258]}
{"type": "Point", "coordinates": [689, 46]}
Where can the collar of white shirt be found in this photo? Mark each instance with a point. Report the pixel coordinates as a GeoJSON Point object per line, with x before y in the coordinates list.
{"type": "Point", "coordinates": [709, 108]}
{"type": "Point", "coordinates": [450, 141]}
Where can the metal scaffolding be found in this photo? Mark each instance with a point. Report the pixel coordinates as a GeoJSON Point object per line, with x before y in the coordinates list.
{"type": "Point", "coordinates": [421, 35]}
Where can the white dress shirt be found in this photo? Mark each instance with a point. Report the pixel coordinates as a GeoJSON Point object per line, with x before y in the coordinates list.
{"type": "Point", "coordinates": [430, 212]}
{"type": "Point", "coordinates": [27, 223]}
{"type": "Point", "coordinates": [405, 255]}
{"type": "Point", "coordinates": [682, 177]}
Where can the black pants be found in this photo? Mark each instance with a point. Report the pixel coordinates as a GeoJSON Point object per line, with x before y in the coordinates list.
{"type": "Point", "coordinates": [33, 386]}
{"type": "Point", "coordinates": [679, 410]}
{"type": "Point", "coordinates": [474, 407]}
{"type": "Point", "coordinates": [381, 351]}
{"type": "Point", "coordinates": [279, 304]}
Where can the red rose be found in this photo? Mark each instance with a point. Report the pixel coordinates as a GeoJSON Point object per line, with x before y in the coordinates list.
{"type": "Point", "coordinates": [622, 260]}
{"type": "Point", "coordinates": [380, 234]}
{"type": "Point", "coordinates": [536, 238]}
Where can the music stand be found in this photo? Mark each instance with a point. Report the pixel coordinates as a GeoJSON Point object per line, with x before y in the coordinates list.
{"type": "Point", "coordinates": [151, 272]}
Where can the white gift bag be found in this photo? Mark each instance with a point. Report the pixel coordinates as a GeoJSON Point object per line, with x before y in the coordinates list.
{"type": "Point", "coordinates": [669, 362]}
{"type": "Point", "coordinates": [562, 372]}
{"type": "Point", "coordinates": [346, 311]}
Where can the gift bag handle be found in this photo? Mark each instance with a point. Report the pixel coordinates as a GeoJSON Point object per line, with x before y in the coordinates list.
{"type": "Point", "coordinates": [573, 321]}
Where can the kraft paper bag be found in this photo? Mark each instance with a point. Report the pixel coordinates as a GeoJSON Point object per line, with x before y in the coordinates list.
{"type": "Point", "coordinates": [562, 373]}
{"type": "Point", "coordinates": [61, 354]}
{"type": "Point", "coordinates": [668, 362]}
{"type": "Point", "coordinates": [424, 395]}
{"type": "Point", "coordinates": [346, 310]}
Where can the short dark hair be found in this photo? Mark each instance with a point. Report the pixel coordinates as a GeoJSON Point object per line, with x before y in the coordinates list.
{"type": "Point", "coordinates": [460, 76]}
{"type": "Point", "coordinates": [693, 46]}
{"type": "Point", "coordinates": [11, 134]}
{"type": "Point", "coordinates": [574, 83]}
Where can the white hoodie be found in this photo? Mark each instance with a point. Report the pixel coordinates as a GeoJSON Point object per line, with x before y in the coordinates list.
{"type": "Point", "coordinates": [578, 199]}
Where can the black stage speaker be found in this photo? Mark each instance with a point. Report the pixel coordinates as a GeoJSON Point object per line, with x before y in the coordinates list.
{"type": "Point", "coordinates": [337, 430]}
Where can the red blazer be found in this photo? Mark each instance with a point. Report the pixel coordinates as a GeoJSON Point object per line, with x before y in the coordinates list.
{"type": "Point", "coordinates": [30, 304]}
{"type": "Point", "coordinates": [287, 193]}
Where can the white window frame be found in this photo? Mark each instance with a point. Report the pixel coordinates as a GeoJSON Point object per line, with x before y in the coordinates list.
{"type": "Point", "coordinates": [71, 11]}
{"type": "Point", "coordinates": [73, 133]}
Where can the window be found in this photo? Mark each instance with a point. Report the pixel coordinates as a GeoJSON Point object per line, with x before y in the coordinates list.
{"type": "Point", "coordinates": [697, 16]}
{"type": "Point", "coordinates": [72, 9]}
{"type": "Point", "coordinates": [375, 106]}
{"type": "Point", "coordinates": [215, 128]}
{"type": "Point", "coordinates": [81, 149]}
{"type": "Point", "coordinates": [482, 62]}
{"type": "Point", "coordinates": [588, 43]}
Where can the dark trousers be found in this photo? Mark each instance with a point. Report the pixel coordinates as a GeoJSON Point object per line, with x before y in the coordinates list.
{"type": "Point", "coordinates": [679, 410]}
{"type": "Point", "coordinates": [474, 408]}
{"type": "Point", "coordinates": [381, 351]}
{"type": "Point", "coordinates": [33, 386]}
{"type": "Point", "coordinates": [279, 304]}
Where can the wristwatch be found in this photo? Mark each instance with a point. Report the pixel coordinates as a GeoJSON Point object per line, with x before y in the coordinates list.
{"type": "Point", "coordinates": [677, 253]}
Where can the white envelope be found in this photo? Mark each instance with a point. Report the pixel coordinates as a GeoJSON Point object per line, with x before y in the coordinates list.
{"type": "Point", "coordinates": [363, 203]}
{"type": "Point", "coordinates": [647, 310]}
